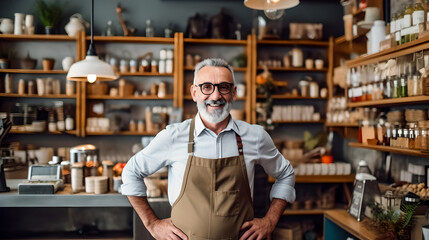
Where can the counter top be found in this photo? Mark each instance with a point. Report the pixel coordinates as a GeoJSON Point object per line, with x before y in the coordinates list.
{"type": "Point", "coordinates": [65, 198]}
{"type": "Point", "coordinates": [364, 229]}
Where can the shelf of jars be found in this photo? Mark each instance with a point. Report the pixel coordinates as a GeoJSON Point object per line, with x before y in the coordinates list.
{"type": "Point", "coordinates": [295, 42]}
{"type": "Point", "coordinates": [215, 41]}
{"type": "Point", "coordinates": [65, 96]}
{"type": "Point", "coordinates": [291, 97]}
{"type": "Point", "coordinates": [297, 69]}
{"type": "Point", "coordinates": [390, 102]}
{"type": "Point", "coordinates": [71, 132]}
{"type": "Point", "coordinates": [42, 37]}
{"type": "Point", "coordinates": [341, 124]}
{"type": "Point", "coordinates": [32, 71]}
{"type": "Point", "coordinates": [404, 151]}
{"type": "Point", "coordinates": [132, 39]}
{"type": "Point", "coordinates": [298, 122]}
{"type": "Point", "coordinates": [393, 52]}
{"type": "Point", "coordinates": [140, 97]}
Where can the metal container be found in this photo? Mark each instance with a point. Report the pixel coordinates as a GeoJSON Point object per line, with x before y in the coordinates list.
{"type": "Point", "coordinates": [83, 153]}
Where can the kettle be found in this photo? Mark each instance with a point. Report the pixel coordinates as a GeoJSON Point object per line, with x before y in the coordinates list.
{"type": "Point", "coordinates": [76, 24]}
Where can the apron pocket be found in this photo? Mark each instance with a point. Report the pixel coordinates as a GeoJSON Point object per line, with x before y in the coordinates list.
{"type": "Point", "coordinates": [226, 203]}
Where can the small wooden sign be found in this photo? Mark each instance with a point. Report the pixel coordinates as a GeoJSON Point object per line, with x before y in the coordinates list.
{"type": "Point", "coordinates": [364, 191]}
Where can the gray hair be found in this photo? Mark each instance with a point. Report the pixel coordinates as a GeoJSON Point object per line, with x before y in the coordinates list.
{"type": "Point", "coordinates": [213, 62]}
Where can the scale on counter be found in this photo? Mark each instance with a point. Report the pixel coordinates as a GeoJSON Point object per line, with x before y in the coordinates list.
{"type": "Point", "coordinates": [42, 179]}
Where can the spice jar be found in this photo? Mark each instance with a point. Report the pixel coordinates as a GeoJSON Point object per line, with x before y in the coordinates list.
{"type": "Point", "coordinates": [424, 139]}
{"type": "Point", "coordinates": [144, 66]}
{"type": "Point", "coordinates": [133, 66]}
{"type": "Point", "coordinates": [123, 67]}
{"type": "Point", "coordinates": [77, 177]}
{"type": "Point", "coordinates": [133, 126]}
{"type": "Point", "coordinates": [154, 66]}
{"type": "Point", "coordinates": [411, 138]}
{"type": "Point", "coordinates": [417, 138]}
{"type": "Point", "coordinates": [394, 136]}
{"type": "Point", "coordinates": [402, 89]}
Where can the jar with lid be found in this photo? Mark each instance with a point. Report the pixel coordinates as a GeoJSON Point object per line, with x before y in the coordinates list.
{"type": "Point", "coordinates": [154, 66]}
{"type": "Point", "coordinates": [91, 165]}
{"type": "Point", "coordinates": [161, 66]}
{"type": "Point", "coordinates": [144, 67]}
{"type": "Point", "coordinates": [417, 137]}
{"type": "Point", "coordinates": [411, 84]}
{"type": "Point", "coordinates": [395, 86]}
{"type": "Point", "coordinates": [387, 87]}
{"type": "Point", "coordinates": [398, 28]}
{"type": "Point", "coordinates": [418, 18]}
{"type": "Point", "coordinates": [77, 177]}
{"type": "Point", "coordinates": [424, 139]}
{"type": "Point", "coordinates": [123, 66]}
{"type": "Point", "coordinates": [162, 54]}
{"type": "Point", "coordinates": [394, 136]}
{"type": "Point", "coordinates": [387, 135]}
{"type": "Point", "coordinates": [411, 137]}
{"type": "Point", "coordinates": [132, 126]}
{"type": "Point", "coordinates": [66, 171]}
{"type": "Point", "coordinates": [406, 24]}
{"type": "Point", "coordinates": [133, 66]}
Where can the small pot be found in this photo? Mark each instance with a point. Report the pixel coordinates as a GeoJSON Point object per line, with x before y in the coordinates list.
{"type": "Point", "coordinates": [49, 30]}
{"type": "Point", "coordinates": [48, 64]}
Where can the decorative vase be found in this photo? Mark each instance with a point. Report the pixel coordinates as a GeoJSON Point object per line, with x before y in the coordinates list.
{"type": "Point", "coordinates": [75, 25]}
{"type": "Point", "coordinates": [6, 26]}
{"type": "Point", "coordinates": [48, 64]}
{"type": "Point", "coordinates": [67, 62]}
{"type": "Point", "coordinates": [19, 23]}
{"type": "Point", "coordinates": [28, 63]}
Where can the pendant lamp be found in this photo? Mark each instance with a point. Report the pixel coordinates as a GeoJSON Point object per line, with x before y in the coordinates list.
{"type": "Point", "coordinates": [273, 9]}
{"type": "Point", "coordinates": [91, 69]}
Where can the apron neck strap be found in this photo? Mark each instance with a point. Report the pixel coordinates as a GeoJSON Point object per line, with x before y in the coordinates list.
{"type": "Point", "coordinates": [191, 139]}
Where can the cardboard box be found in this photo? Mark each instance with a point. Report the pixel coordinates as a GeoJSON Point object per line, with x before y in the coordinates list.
{"type": "Point", "coordinates": [287, 232]}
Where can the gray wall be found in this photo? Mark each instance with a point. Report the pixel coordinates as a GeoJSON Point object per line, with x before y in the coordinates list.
{"type": "Point", "coordinates": [177, 13]}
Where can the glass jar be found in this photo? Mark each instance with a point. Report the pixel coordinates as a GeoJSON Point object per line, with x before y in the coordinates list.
{"type": "Point", "coordinates": [395, 86]}
{"type": "Point", "coordinates": [406, 23]}
{"type": "Point", "coordinates": [394, 136]}
{"type": "Point", "coordinates": [411, 138]}
{"type": "Point", "coordinates": [424, 139]}
{"type": "Point", "coordinates": [388, 88]}
{"type": "Point", "coordinates": [417, 138]}
{"type": "Point", "coordinates": [387, 136]}
{"type": "Point", "coordinates": [398, 28]}
{"type": "Point", "coordinates": [402, 88]}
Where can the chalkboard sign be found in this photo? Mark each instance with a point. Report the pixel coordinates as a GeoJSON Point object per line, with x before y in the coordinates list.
{"type": "Point", "coordinates": [364, 191]}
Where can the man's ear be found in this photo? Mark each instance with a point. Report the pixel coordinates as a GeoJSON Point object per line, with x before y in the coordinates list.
{"type": "Point", "coordinates": [193, 91]}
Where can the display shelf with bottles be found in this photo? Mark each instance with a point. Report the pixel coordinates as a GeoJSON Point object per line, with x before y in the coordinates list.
{"type": "Point", "coordinates": [29, 84]}
{"type": "Point", "coordinates": [148, 71]}
{"type": "Point", "coordinates": [404, 151]}
{"type": "Point", "coordinates": [237, 52]}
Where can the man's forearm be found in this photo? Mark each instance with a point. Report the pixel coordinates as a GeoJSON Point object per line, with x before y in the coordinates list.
{"type": "Point", "coordinates": [277, 207]}
{"type": "Point", "coordinates": [143, 209]}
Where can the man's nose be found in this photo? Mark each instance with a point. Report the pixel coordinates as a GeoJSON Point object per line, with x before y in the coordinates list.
{"type": "Point", "coordinates": [216, 94]}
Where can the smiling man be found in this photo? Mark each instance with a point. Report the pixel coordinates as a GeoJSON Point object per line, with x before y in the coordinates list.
{"type": "Point", "coordinates": [211, 164]}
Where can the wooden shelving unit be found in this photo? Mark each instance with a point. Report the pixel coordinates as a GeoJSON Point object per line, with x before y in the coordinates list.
{"type": "Point", "coordinates": [404, 151]}
{"type": "Point", "coordinates": [32, 71]}
{"type": "Point", "coordinates": [215, 41]}
{"type": "Point", "coordinates": [72, 132]}
{"type": "Point", "coordinates": [391, 102]}
{"type": "Point", "coordinates": [16, 95]}
{"type": "Point", "coordinates": [295, 69]}
{"type": "Point", "coordinates": [295, 42]}
{"type": "Point", "coordinates": [132, 39]}
{"type": "Point", "coordinates": [342, 124]}
{"type": "Point", "coordinates": [290, 97]}
{"type": "Point", "coordinates": [148, 97]}
{"type": "Point", "coordinates": [34, 37]}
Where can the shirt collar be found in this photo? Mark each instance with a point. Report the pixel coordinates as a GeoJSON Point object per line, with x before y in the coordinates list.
{"type": "Point", "coordinates": [199, 125]}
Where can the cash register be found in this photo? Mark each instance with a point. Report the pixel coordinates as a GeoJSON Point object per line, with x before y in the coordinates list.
{"type": "Point", "coordinates": [42, 179]}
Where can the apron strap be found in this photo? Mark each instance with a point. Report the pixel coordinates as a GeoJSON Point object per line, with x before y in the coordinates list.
{"type": "Point", "coordinates": [191, 139]}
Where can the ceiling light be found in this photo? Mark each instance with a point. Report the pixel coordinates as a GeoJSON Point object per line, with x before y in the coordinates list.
{"type": "Point", "coordinates": [273, 9]}
{"type": "Point", "coordinates": [91, 69]}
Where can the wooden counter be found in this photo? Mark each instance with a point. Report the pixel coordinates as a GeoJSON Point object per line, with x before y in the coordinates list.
{"type": "Point", "coordinates": [339, 224]}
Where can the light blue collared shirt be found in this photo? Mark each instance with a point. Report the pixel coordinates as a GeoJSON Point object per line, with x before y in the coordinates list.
{"type": "Point", "coordinates": [170, 148]}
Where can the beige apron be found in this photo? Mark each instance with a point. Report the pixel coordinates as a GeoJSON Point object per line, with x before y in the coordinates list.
{"type": "Point", "coordinates": [215, 197]}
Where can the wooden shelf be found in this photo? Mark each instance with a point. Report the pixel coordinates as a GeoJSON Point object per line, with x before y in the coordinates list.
{"type": "Point", "coordinates": [144, 74]}
{"type": "Point", "coordinates": [390, 102]}
{"type": "Point", "coordinates": [294, 42]}
{"type": "Point", "coordinates": [33, 71]}
{"type": "Point", "coordinates": [132, 39]}
{"type": "Point", "coordinates": [42, 37]}
{"type": "Point", "coordinates": [299, 122]}
{"type": "Point", "coordinates": [315, 211]}
{"type": "Point", "coordinates": [295, 69]}
{"type": "Point", "coordinates": [236, 69]}
{"type": "Point", "coordinates": [215, 41]}
{"type": "Point", "coordinates": [404, 49]}
{"type": "Point", "coordinates": [72, 132]}
{"type": "Point", "coordinates": [321, 178]}
{"type": "Point", "coordinates": [128, 133]}
{"type": "Point", "coordinates": [148, 97]}
{"type": "Point", "coordinates": [404, 151]}
{"type": "Point", "coordinates": [342, 124]}
{"type": "Point", "coordinates": [284, 96]}
{"type": "Point", "coordinates": [37, 96]}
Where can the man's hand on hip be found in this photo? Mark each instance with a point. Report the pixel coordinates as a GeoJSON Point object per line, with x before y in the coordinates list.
{"type": "Point", "coordinates": [257, 229]}
{"type": "Point", "coordinates": [164, 229]}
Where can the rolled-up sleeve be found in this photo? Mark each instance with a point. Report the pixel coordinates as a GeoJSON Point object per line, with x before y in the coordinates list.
{"type": "Point", "coordinates": [145, 163]}
{"type": "Point", "coordinates": [278, 167]}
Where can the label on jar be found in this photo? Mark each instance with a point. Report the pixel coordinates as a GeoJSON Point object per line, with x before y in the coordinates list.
{"type": "Point", "coordinates": [398, 24]}
{"type": "Point", "coordinates": [398, 36]}
{"type": "Point", "coordinates": [393, 26]}
{"type": "Point", "coordinates": [406, 22]}
{"type": "Point", "coordinates": [418, 17]}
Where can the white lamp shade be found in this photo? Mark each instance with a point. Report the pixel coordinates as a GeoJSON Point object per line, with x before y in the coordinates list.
{"type": "Point", "coordinates": [270, 4]}
{"type": "Point", "coordinates": [91, 65]}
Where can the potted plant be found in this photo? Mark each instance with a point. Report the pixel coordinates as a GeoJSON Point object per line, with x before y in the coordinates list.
{"type": "Point", "coordinates": [48, 64]}
{"type": "Point", "coordinates": [50, 14]}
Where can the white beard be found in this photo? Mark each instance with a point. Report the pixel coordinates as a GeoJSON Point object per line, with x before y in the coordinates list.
{"type": "Point", "coordinates": [217, 115]}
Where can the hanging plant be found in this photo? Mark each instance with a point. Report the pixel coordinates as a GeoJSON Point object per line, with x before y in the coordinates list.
{"type": "Point", "coordinates": [49, 12]}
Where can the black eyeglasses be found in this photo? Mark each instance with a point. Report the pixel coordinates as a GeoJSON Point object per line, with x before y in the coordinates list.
{"type": "Point", "coordinates": [208, 88]}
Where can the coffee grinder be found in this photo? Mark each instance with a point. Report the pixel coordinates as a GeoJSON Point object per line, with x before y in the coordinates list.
{"type": "Point", "coordinates": [5, 126]}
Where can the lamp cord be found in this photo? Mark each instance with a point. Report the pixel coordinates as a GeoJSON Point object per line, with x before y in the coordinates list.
{"type": "Point", "coordinates": [91, 49]}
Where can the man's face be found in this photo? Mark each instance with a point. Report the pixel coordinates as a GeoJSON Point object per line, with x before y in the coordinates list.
{"type": "Point", "coordinates": [214, 107]}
